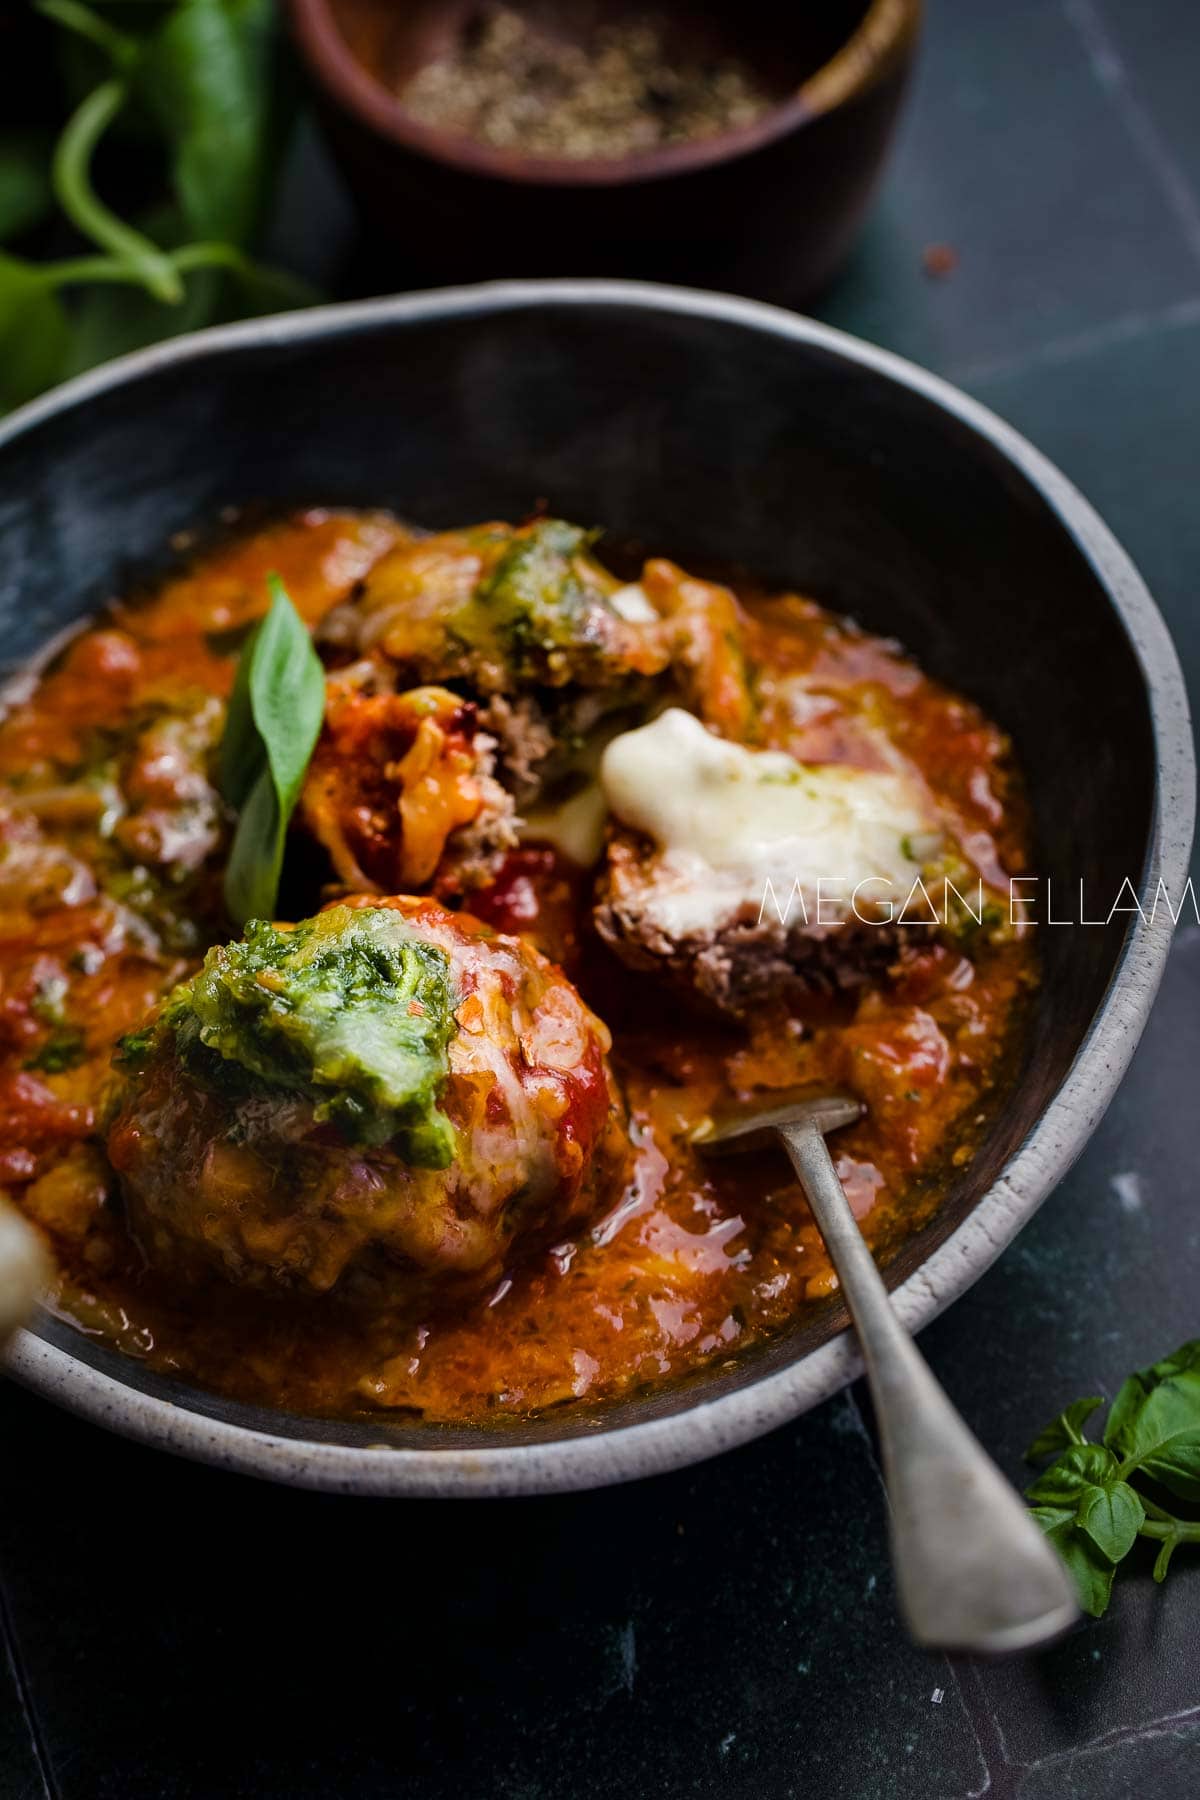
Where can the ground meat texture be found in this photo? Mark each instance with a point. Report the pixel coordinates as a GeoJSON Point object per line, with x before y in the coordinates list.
{"type": "Point", "coordinates": [499, 607]}
{"type": "Point", "coordinates": [400, 792]}
{"type": "Point", "coordinates": [262, 1191]}
{"type": "Point", "coordinates": [745, 960]}
{"type": "Point", "coordinates": [526, 739]}
{"type": "Point", "coordinates": [523, 620]}
{"type": "Point", "coordinates": [745, 875]}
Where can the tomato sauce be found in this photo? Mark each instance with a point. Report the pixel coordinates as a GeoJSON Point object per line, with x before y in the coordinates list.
{"type": "Point", "coordinates": [111, 845]}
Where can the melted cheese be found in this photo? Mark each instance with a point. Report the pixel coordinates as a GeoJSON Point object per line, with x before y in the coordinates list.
{"type": "Point", "coordinates": [575, 827]}
{"type": "Point", "coordinates": [632, 603]}
{"type": "Point", "coordinates": [735, 826]}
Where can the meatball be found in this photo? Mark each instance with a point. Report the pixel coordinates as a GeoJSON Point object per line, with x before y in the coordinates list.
{"type": "Point", "coordinates": [742, 960]}
{"type": "Point", "coordinates": [555, 651]}
{"type": "Point", "coordinates": [400, 792]}
{"type": "Point", "coordinates": [745, 877]}
{"type": "Point", "coordinates": [524, 619]}
{"type": "Point", "coordinates": [500, 607]}
{"type": "Point", "coordinates": [382, 1101]}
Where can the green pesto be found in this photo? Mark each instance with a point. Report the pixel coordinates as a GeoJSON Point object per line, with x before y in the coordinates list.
{"type": "Point", "coordinates": [350, 1011]}
{"type": "Point", "coordinates": [534, 607]}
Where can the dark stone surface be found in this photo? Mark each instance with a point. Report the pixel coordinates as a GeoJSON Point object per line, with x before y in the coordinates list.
{"type": "Point", "coordinates": [1019, 157]}
{"type": "Point", "coordinates": [729, 1630]}
{"type": "Point", "coordinates": [21, 1768]}
{"type": "Point", "coordinates": [689, 1632]}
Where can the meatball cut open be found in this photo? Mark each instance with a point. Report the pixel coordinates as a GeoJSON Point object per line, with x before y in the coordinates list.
{"type": "Point", "coordinates": [400, 791]}
{"type": "Point", "coordinates": [746, 877]}
{"type": "Point", "coordinates": [524, 620]}
{"type": "Point", "coordinates": [382, 1100]}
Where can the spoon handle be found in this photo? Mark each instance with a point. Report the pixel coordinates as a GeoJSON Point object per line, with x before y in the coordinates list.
{"type": "Point", "coordinates": [973, 1570]}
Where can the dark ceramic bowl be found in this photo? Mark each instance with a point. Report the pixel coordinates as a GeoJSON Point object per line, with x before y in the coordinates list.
{"type": "Point", "coordinates": [716, 431]}
{"type": "Point", "coordinates": [783, 196]}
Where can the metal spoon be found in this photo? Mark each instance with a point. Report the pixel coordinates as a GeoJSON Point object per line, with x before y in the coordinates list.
{"type": "Point", "coordinates": [973, 1570]}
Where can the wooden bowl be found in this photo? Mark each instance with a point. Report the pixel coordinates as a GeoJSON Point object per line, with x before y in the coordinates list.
{"type": "Point", "coordinates": [780, 199]}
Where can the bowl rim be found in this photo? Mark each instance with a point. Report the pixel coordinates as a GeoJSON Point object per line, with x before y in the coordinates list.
{"type": "Point", "coordinates": [707, 1427]}
{"type": "Point", "coordinates": [881, 41]}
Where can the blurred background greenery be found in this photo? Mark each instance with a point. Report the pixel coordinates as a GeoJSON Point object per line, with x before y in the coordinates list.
{"type": "Point", "coordinates": [140, 152]}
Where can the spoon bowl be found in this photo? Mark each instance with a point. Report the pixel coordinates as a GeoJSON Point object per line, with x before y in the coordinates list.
{"type": "Point", "coordinates": [733, 1129]}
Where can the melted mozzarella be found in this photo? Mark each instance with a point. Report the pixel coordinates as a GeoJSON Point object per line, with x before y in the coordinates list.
{"type": "Point", "coordinates": [631, 602]}
{"type": "Point", "coordinates": [575, 827]}
{"type": "Point", "coordinates": [736, 826]}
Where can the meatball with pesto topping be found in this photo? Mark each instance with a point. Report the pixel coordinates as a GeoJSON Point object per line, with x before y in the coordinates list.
{"type": "Point", "coordinates": [380, 1101]}
{"type": "Point", "coordinates": [525, 620]}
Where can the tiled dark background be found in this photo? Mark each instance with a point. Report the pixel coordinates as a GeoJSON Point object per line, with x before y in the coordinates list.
{"type": "Point", "coordinates": [729, 1630]}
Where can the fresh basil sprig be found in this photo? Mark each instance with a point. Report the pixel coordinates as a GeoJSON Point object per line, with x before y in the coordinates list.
{"type": "Point", "coordinates": [273, 722]}
{"type": "Point", "coordinates": [1085, 1501]}
{"type": "Point", "coordinates": [200, 87]}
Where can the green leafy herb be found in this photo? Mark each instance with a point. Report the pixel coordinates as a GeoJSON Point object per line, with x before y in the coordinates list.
{"type": "Point", "coordinates": [1085, 1501]}
{"type": "Point", "coordinates": [274, 719]}
{"type": "Point", "coordinates": [1066, 1430]}
{"type": "Point", "coordinates": [1155, 1422]}
{"type": "Point", "coordinates": [350, 1011]}
{"type": "Point", "coordinates": [26, 195]}
{"type": "Point", "coordinates": [199, 81]}
{"type": "Point", "coordinates": [34, 333]}
{"type": "Point", "coordinates": [71, 174]}
{"type": "Point", "coordinates": [534, 603]}
{"type": "Point", "coordinates": [206, 77]}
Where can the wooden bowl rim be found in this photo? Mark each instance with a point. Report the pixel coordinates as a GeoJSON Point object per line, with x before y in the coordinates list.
{"type": "Point", "coordinates": [881, 44]}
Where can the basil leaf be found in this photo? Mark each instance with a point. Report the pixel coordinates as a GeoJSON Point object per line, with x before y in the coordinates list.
{"type": "Point", "coordinates": [1048, 1517]}
{"type": "Point", "coordinates": [206, 77]}
{"type": "Point", "coordinates": [287, 693]}
{"type": "Point", "coordinates": [1083, 1501]}
{"type": "Point", "coordinates": [34, 334]}
{"type": "Point", "coordinates": [1065, 1482]}
{"type": "Point", "coordinates": [1064, 1431]}
{"type": "Point", "coordinates": [25, 192]}
{"type": "Point", "coordinates": [1154, 1424]}
{"type": "Point", "coordinates": [256, 855]}
{"type": "Point", "coordinates": [274, 718]}
{"type": "Point", "coordinates": [240, 758]}
{"type": "Point", "coordinates": [201, 86]}
{"type": "Point", "coordinates": [1083, 1487]}
{"type": "Point", "coordinates": [1090, 1570]}
{"type": "Point", "coordinates": [1111, 1516]}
